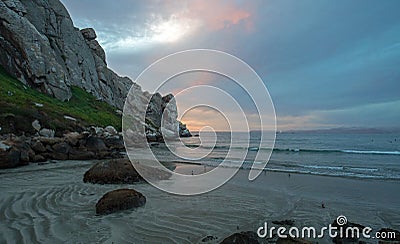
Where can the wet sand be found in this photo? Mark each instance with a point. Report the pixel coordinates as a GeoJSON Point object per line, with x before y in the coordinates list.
{"type": "Point", "coordinates": [50, 204]}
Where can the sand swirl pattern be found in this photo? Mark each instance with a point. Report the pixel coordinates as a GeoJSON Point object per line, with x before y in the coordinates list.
{"type": "Point", "coordinates": [39, 205]}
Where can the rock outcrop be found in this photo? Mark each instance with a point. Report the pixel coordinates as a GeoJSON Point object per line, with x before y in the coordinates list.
{"type": "Point", "coordinates": [20, 150]}
{"type": "Point", "coordinates": [121, 199]}
{"type": "Point", "coordinates": [40, 46]}
{"type": "Point", "coordinates": [183, 131]}
{"type": "Point", "coordinates": [121, 171]}
{"type": "Point", "coordinates": [118, 171]}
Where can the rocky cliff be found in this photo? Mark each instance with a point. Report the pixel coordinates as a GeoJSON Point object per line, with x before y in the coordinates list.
{"type": "Point", "coordinates": [40, 46]}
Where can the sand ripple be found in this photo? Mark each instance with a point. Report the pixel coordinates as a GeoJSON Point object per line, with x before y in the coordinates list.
{"type": "Point", "coordinates": [51, 204]}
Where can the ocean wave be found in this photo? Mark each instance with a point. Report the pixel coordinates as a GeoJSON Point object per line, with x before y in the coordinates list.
{"type": "Point", "coordinates": [323, 170]}
{"type": "Point", "coordinates": [297, 150]}
{"type": "Point", "coordinates": [372, 152]}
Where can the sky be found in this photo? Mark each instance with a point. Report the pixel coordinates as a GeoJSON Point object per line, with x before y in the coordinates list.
{"type": "Point", "coordinates": [325, 63]}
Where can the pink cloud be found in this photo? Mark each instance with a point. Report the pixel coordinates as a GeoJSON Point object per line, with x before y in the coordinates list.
{"type": "Point", "coordinates": [220, 14]}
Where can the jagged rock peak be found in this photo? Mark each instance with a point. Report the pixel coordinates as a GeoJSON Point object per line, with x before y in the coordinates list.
{"type": "Point", "coordinates": [40, 46]}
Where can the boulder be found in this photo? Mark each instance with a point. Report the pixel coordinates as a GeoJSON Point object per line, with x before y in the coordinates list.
{"type": "Point", "coordinates": [36, 125]}
{"type": "Point", "coordinates": [117, 171]}
{"type": "Point", "coordinates": [70, 118]}
{"type": "Point", "coordinates": [111, 130]}
{"type": "Point", "coordinates": [47, 133]}
{"type": "Point", "coordinates": [121, 199]}
{"type": "Point", "coordinates": [4, 146]}
{"type": "Point", "coordinates": [49, 141]}
{"type": "Point", "coordinates": [26, 152]}
{"type": "Point", "coordinates": [73, 138]}
{"type": "Point", "coordinates": [15, 152]}
{"type": "Point", "coordinates": [60, 151]}
{"type": "Point", "coordinates": [38, 147]}
{"type": "Point", "coordinates": [95, 144]}
{"type": "Point", "coordinates": [248, 237]}
{"type": "Point", "coordinates": [10, 158]}
{"type": "Point", "coordinates": [114, 143]}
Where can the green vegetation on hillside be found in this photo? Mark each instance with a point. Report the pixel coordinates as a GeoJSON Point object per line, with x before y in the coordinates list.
{"type": "Point", "coordinates": [21, 105]}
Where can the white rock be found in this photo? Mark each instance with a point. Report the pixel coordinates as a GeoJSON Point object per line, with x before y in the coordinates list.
{"type": "Point", "coordinates": [111, 130]}
{"type": "Point", "coordinates": [36, 125]}
{"type": "Point", "coordinates": [4, 147]}
{"type": "Point", "coordinates": [97, 130]}
{"type": "Point", "coordinates": [69, 118]}
{"type": "Point", "coordinates": [47, 133]}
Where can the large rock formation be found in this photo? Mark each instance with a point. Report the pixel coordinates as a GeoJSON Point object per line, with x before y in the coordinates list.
{"type": "Point", "coordinates": [40, 46]}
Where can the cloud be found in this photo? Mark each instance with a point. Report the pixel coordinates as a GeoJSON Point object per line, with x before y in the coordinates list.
{"type": "Point", "coordinates": [141, 26]}
{"type": "Point", "coordinates": [325, 63]}
{"type": "Point", "coordinates": [220, 14]}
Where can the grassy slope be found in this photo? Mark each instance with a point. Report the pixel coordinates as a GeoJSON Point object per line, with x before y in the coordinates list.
{"type": "Point", "coordinates": [17, 111]}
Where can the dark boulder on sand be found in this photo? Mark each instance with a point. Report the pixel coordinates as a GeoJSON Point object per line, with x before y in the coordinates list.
{"type": "Point", "coordinates": [121, 171]}
{"type": "Point", "coordinates": [248, 237]}
{"type": "Point", "coordinates": [116, 171]}
{"type": "Point", "coordinates": [121, 199]}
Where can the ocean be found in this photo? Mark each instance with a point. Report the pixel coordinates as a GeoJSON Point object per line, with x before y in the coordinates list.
{"type": "Point", "coordinates": [359, 155]}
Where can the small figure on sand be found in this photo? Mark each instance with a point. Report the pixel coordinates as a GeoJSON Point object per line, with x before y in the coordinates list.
{"type": "Point", "coordinates": [192, 172]}
{"type": "Point", "coordinates": [289, 175]}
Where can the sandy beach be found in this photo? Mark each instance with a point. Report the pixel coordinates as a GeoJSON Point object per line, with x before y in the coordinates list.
{"type": "Point", "coordinates": [50, 204]}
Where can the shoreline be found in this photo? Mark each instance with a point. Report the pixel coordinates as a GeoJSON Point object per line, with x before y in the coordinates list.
{"type": "Point", "coordinates": [189, 166]}
{"type": "Point", "coordinates": [52, 194]}
{"type": "Point", "coordinates": [286, 172]}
